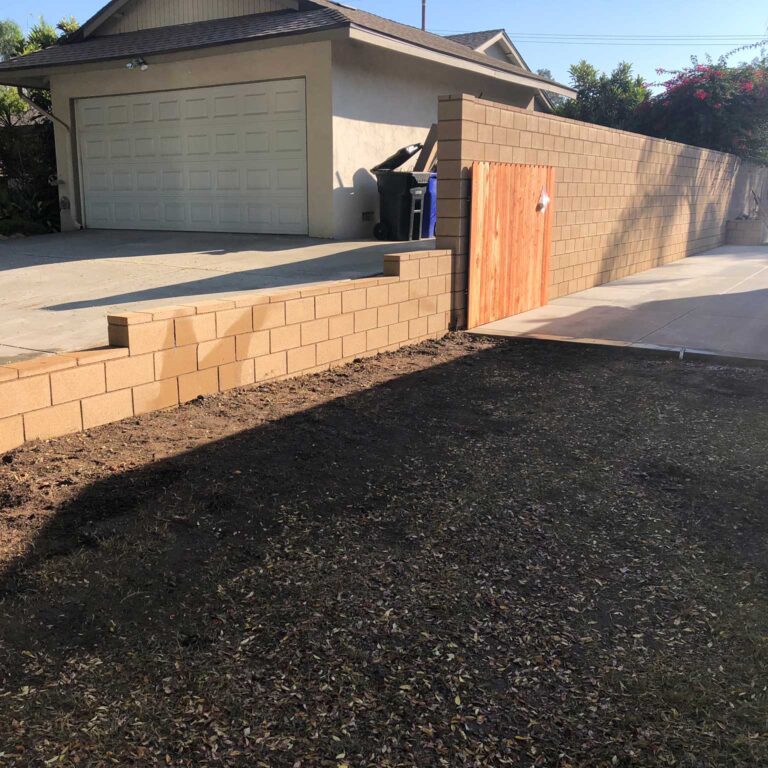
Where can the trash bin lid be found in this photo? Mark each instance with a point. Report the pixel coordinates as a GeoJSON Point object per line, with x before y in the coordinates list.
{"type": "Point", "coordinates": [400, 157]}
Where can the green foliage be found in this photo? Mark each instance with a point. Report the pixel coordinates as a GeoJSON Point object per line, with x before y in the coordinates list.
{"type": "Point", "coordinates": [11, 39]}
{"type": "Point", "coordinates": [713, 105]}
{"type": "Point", "coordinates": [12, 108]}
{"type": "Point", "coordinates": [609, 100]}
{"type": "Point", "coordinates": [28, 201]}
{"type": "Point", "coordinates": [554, 98]}
{"type": "Point", "coordinates": [42, 35]}
{"type": "Point", "coordinates": [68, 25]}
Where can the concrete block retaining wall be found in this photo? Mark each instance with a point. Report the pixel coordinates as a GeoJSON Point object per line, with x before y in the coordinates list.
{"type": "Point", "coordinates": [161, 358]}
{"type": "Point", "coordinates": [623, 203]}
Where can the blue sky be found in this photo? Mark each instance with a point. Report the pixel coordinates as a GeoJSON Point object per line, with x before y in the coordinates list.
{"type": "Point", "coordinates": [650, 18]}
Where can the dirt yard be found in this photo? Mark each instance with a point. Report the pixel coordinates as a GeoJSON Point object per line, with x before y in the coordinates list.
{"type": "Point", "coordinates": [470, 553]}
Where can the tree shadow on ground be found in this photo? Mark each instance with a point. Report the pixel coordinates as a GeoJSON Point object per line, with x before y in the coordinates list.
{"type": "Point", "coordinates": [324, 550]}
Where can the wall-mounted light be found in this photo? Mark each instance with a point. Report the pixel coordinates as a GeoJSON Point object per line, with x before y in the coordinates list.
{"type": "Point", "coordinates": [137, 63]}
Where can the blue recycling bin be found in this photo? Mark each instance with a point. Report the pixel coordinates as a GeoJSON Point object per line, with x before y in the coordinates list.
{"type": "Point", "coordinates": [429, 221]}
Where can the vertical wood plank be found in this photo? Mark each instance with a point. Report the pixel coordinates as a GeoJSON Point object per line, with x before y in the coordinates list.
{"type": "Point", "coordinates": [510, 241]}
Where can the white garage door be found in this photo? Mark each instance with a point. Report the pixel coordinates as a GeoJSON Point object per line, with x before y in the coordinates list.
{"type": "Point", "coordinates": [225, 159]}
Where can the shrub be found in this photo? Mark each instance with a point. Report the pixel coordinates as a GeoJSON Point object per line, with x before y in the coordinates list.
{"type": "Point", "coordinates": [28, 201]}
{"type": "Point", "coordinates": [714, 106]}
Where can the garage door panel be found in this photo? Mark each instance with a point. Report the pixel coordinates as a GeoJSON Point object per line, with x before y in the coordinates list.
{"type": "Point", "coordinates": [231, 158]}
{"type": "Point", "coordinates": [202, 139]}
{"type": "Point", "coordinates": [209, 214]}
{"type": "Point", "coordinates": [278, 179]}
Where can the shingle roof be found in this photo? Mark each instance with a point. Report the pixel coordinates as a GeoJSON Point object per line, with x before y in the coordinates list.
{"type": "Point", "coordinates": [178, 38]}
{"type": "Point", "coordinates": [312, 16]}
{"type": "Point", "coordinates": [426, 40]}
{"type": "Point", "coordinates": [474, 40]}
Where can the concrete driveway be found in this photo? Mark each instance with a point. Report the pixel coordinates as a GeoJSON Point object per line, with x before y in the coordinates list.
{"type": "Point", "coordinates": [56, 290]}
{"type": "Point", "coordinates": [716, 302]}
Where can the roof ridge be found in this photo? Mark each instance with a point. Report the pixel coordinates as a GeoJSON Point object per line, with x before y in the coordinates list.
{"type": "Point", "coordinates": [311, 16]}
{"type": "Point", "coordinates": [69, 40]}
{"type": "Point", "coordinates": [478, 32]}
{"type": "Point", "coordinates": [426, 39]}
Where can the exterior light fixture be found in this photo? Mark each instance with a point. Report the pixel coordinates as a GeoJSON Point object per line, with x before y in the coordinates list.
{"type": "Point", "coordinates": [137, 63]}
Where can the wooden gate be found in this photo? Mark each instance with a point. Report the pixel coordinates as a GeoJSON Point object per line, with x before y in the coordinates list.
{"type": "Point", "coordinates": [511, 240]}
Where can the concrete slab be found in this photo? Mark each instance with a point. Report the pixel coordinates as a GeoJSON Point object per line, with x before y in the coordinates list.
{"type": "Point", "coordinates": [56, 290]}
{"type": "Point", "coordinates": [716, 302]}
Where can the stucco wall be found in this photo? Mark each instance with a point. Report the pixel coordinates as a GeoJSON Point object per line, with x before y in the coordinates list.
{"type": "Point", "coordinates": [363, 103]}
{"type": "Point", "coordinates": [240, 64]}
{"type": "Point", "coordinates": [383, 101]}
{"type": "Point", "coordinates": [623, 203]}
{"type": "Point", "coordinates": [751, 183]}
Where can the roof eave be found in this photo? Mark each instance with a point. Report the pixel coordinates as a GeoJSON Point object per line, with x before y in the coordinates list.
{"type": "Point", "coordinates": [376, 38]}
{"type": "Point", "coordinates": [98, 18]}
{"type": "Point", "coordinates": [24, 79]}
{"type": "Point", "coordinates": [34, 75]}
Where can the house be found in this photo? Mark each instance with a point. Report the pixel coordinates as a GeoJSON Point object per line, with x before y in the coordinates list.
{"type": "Point", "coordinates": [497, 44]}
{"type": "Point", "coordinates": [249, 115]}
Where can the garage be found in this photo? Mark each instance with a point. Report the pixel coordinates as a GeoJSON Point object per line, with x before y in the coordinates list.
{"type": "Point", "coordinates": [224, 159]}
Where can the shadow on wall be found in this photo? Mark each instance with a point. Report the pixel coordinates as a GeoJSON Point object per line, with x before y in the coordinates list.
{"type": "Point", "coordinates": [634, 223]}
{"type": "Point", "coordinates": [356, 205]}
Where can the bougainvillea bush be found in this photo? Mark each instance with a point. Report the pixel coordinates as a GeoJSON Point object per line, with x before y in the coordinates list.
{"type": "Point", "coordinates": [712, 105]}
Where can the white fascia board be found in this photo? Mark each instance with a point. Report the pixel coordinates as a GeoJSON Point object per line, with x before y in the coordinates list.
{"type": "Point", "coordinates": [409, 49]}
{"type": "Point", "coordinates": [488, 43]}
{"type": "Point", "coordinates": [503, 38]}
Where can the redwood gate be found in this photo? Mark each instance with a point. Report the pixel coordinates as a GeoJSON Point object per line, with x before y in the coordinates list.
{"type": "Point", "coordinates": [511, 240]}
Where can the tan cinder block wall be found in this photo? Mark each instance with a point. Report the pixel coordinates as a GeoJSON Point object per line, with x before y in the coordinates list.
{"type": "Point", "coordinates": [160, 358]}
{"type": "Point", "coordinates": [623, 202]}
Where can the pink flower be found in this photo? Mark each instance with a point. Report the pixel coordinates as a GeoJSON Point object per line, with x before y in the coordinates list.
{"type": "Point", "coordinates": [747, 87]}
{"type": "Point", "coordinates": [700, 94]}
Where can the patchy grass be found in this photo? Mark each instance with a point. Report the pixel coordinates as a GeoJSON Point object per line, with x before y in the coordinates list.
{"type": "Point", "coordinates": [470, 553]}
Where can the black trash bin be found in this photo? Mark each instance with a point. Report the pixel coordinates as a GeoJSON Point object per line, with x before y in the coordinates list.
{"type": "Point", "coordinates": [402, 197]}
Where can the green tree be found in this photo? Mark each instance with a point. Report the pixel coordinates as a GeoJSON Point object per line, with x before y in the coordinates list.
{"type": "Point", "coordinates": [554, 98]}
{"type": "Point", "coordinates": [610, 100]}
{"type": "Point", "coordinates": [11, 40]}
{"type": "Point", "coordinates": [42, 35]}
{"type": "Point", "coordinates": [14, 43]}
{"type": "Point", "coordinates": [27, 156]}
{"type": "Point", "coordinates": [11, 44]}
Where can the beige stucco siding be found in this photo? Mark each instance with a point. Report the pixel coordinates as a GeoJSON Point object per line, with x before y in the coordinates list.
{"type": "Point", "coordinates": [497, 51]}
{"type": "Point", "coordinates": [311, 61]}
{"type": "Point", "coordinates": [383, 101]}
{"type": "Point", "coordinates": [146, 14]}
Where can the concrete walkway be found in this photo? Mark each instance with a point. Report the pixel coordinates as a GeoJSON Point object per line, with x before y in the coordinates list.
{"type": "Point", "coordinates": [56, 290]}
{"type": "Point", "coordinates": [716, 302]}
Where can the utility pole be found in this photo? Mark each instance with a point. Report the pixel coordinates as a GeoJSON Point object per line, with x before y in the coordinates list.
{"type": "Point", "coordinates": [424, 15]}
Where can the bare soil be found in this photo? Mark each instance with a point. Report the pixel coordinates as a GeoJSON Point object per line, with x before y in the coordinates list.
{"type": "Point", "coordinates": [467, 553]}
